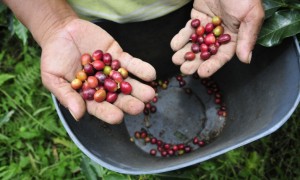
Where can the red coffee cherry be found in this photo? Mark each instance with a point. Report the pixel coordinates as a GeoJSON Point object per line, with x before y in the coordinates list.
{"type": "Point", "coordinates": [189, 56]}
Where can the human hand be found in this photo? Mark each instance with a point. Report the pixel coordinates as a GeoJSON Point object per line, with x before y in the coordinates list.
{"type": "Point", "coordinates": [241, 19]}
{"type": "Point", "coordinates": [60, 62]}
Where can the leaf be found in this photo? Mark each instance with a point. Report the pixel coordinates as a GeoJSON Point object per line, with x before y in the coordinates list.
{"type": "Point", "coordinates": [87, 170]}
{"type": "Point", "coordinates": [3, 137]}
{"type": "Point", "coordinates": [114, 176]}
{"type": "Point", "coordinates": [20, 30]}
{"type": "Point", "coordinates": [64, 142]}
{"type": "Point", "coordinates": [6, 118]}
{"type": "Point", "coordinates": [282, 24]}
{"type": "Point", "coordinates": [29, 134]}
{"type": "Point", "coordinates": [5, 77]}
{"type": "Point", "coordinates": [271, 6]}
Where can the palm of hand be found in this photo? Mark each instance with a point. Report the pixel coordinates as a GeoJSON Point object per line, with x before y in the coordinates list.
{"type": "Point", "coordinates": [241, 19]}
{"type": "Point", "coordinates": [61, 61]}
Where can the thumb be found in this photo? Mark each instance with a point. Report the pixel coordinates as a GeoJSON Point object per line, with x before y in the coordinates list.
{"type": "Point", "coordinates": [65, 94]}
{"type": "Point", "coordinates": [248, 32]}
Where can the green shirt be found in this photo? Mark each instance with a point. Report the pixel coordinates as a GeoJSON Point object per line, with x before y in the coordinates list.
{"type": "Point", "coordinates": [123, 11]}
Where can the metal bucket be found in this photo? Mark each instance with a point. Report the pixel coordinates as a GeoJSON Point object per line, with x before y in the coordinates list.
{"type": "Point", "coordinates": [260, 98]}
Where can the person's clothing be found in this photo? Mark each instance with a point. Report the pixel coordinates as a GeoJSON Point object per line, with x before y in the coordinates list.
{"type": "Point", "coordinates": [123, 11]}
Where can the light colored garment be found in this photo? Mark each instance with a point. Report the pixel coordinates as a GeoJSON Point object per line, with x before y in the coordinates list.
{"type": "Point", "coordinates": [123, 11]}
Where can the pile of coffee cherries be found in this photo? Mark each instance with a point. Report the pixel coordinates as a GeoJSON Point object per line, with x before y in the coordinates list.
{"type": "Point", "coordinates": [102, 78]}
{"type": "Point", "coordinates": [207, 39]}
{"type": "Point", "coordinates": [166, 149]}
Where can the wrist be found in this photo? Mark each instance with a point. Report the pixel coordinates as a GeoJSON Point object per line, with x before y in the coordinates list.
{"type": "Point", "coordinates": [42, 17]}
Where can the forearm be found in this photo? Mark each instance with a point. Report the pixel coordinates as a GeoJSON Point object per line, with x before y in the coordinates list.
{"type": "Point", "coordinates": [42, 17]}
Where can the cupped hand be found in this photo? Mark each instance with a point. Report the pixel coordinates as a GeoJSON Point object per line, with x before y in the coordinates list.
{"type": "Point", "coordinates": [60, 62]}
{"type": "Point", "coordinates": [242, 19]}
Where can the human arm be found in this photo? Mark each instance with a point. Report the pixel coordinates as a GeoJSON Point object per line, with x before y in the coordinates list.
{"type": "Point", "coordinates": [241, 19]}
{"type": "Point", "coordinates": [63, 37]}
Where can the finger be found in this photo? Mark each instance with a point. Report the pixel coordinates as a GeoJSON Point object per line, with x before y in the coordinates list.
{"type": "Point", "coordinates": [105, 111]}
{"type": "Point", "coordinates": [137, 67]}
{"type": "Point", "coordinates": [141, 91]}
{"type": "Point", "coordinates": [248, 32]}
{"type": "Point", "coordinates": [129, 104]}
{"type": "Point", "coordinates": [183, 36]}
{"type": "Point", "coordinates": [67, 96]}
{"type": "Point", "coordinates": [187, 67]}
{"type": "Point", "coordinates": [215, 62]}
{"type": "Point", "coordinates": [178, 57]}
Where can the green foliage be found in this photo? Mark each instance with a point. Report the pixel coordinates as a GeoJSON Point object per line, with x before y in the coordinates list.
{"type": "Point", "coordinates": [282, 20]}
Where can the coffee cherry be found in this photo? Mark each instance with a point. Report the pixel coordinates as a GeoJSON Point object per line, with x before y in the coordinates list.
{"type": "Point", "coordinates": [153, 140]}
{"type": "Point", "coordinates": [110, 85]}
{"type": "Point", "coordinates": [100, 95]}
{"type": "Point", "coordinates": [88, 69]}
{"type": "Point", "coordinates": [85, 86]}
{"type": "Point", "coordinates": [115, 75]}
{"type": "Point", "coordinates": [97, 55]}
{"type": "Point", "coordinates": [218, 30]}
{"type": "Point", "coordinates": [125, 87]}
{"type": "Point", "coordinates": [195, 48]}
{"type": "Point", "coordinates": [195, 23]}
{"type": "Point", "coordinates": [224, 38]}
{"type": "Point", "coordinates": [200, 40]}
{"type": "Point", "coordinates": [137, 135]}
{"type": "Point", "coordinates": [107, 59]}
{"type": "Point", "coordinates": [170, 152]}
{"type": "Point", "coordinates": [179, 78]}
{"type": "Point", "coordinates": [203, 48]}
{"type": "Point", "coordinates": [107, 70]}
{"type": "Point", "coordinates": [153, 109]}
{"type": "Point", "coordinates": [76, 84]}
{"type": "Point", "coordinates": [209, 28]}
{"type": "Point", "coordinates": [115, 64]}
{"type": "Point", "coordinates": [111, 97]}
{"type": "Point", "coordinates": [100, 76]}
{"type": "Point", "coordinates": [86, 59]}
{"type": "Point", "coordinates": [209, 39]}
{"type": "Point", "coordinates": [189, 56]}
{"type": "Point", "coordinates": [81, 75]}
{"type": "Point", "coordinates": [123, 72]}
{"type": "Point", "coordinates": [216, 20]}
{"type": "Point", "coordinates": [148, 105]}
{"type": "Point", "coordinates": [92, 81]}
{"type": "Point", "coordinates": [182, 83]}
{"type": "Point", "coordinates": [98, 65]}
{"type": "Point", "coordinates": [205, 55]}
{"type": "Point", "coordinates": [201, 143]}
{"type": "Point", "coordinates": [193, 37]}
{"type": "Point", "coordinates": [187, 149]}
{"type": "Point", "coordinates": [155, 99]}
{"type": "Point", "coordinates": [213, 49]}
{"type": "Point", "coordinates": [88, 94]}
{"type": "Point", "coordinates": [200, 30]}
{"type": "Point", "coordinates": [153, 152]}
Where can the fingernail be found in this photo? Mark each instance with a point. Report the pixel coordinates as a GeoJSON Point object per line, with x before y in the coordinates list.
{"type": "Point", "coordinates": [249, 57]}
{"type": "Point", "coordinates": [73, 115]}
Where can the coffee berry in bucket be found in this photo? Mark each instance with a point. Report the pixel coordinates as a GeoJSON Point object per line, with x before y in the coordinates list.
{"type": "Point", "coordinates": [207, 39]}
{"type": "Point", "coordinates": [102, 78]}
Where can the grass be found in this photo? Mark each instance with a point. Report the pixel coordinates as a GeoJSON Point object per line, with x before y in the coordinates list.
{"type": "Point", "coordinates": [34, 145]}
